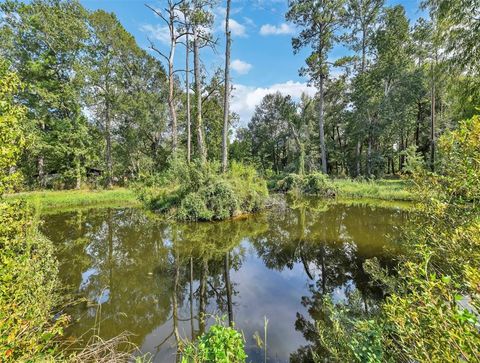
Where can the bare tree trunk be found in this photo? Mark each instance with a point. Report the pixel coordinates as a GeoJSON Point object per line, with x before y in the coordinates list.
{"type": "Point", "coordinates": [171, 80]}
{"type": "Point", "coordinates": [358, 149]}
{"type": "Point", "coordinates": [364, 50]}
{"type": "Point", "coordinates": [226, 101]}
{"type": "Point", "coordinates": [402, 157]}
{"type": "Point", "coordinates": [321, 126]}
{"type": "Point", "coordinates": [171, 102]}
{"type": "Point", "coordinates": [187, 86]}
{"type": "Point", "coordinates": [170, 21]}
{"type": "Point", "coordinates": [198, 90]}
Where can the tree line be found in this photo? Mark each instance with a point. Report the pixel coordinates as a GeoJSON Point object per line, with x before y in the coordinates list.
{"type": "Point", "coordinates": [400, 86]}
{"type": "Point", "coordinates": [100, 109]}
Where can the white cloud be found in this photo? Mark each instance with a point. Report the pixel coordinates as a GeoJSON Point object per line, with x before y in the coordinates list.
{"type": "Point", "coordinates": [157, 32]}
{"type": "Point", "coordinates": [281, 29]}
{"type": "Point", "coordinates": [237, 29]}
{"type": "Point", "coordinates": [245, 98]}
{"type": "Point", "coordinates": [241, 67]}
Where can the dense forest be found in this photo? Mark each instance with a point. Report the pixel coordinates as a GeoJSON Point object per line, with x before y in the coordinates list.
{"type": "Point", "coordinates": [101, 110]}
{"type": "Point", "coordinates": [83, 106]}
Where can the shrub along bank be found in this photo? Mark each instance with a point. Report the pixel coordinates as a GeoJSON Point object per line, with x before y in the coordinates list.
{"type": "Point", "coordinates": [432, 309]}
{"type": "Point", "coordinates": [311, 184]}
{"type": "Point", "coordinates": [200, 192]}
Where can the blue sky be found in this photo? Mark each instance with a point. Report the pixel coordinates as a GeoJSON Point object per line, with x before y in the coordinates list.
{"type": "Point", "coordinates": [262, 57]}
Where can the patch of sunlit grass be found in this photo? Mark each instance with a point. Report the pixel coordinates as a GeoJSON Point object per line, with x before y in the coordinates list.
{"type": "Point", "coordinates": [75, 198]}
{"type": "Point", "coordinates": [377, 189]}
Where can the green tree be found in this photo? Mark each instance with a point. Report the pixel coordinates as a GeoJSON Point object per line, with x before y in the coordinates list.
{"type": "Point", "coordinates": [109, 52]}
{"type": "Point", "coordinates": [11, 134]}
{"type": "Point", "coordinates": [45, 41]}
{"type": "Point", "coordinates": [319, 20]}
{"type": "Point", "coordinates": [362, 18]}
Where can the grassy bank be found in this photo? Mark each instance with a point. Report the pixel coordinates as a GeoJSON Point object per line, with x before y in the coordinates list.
{"type": "Point", "coordinates": [390, 190]}
{"type": "Point", "coordinates": [64, 199]}
{"type": "Point", "coordinates": [375, 189]}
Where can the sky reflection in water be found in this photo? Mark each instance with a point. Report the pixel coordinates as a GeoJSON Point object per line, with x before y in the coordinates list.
{"type": "Point", "coordinates": [281, 265]}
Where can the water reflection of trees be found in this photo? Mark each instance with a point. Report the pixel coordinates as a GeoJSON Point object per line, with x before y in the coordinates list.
{"type": "Point", "coordinates": [156, 276]}
{"type": "Point", "coordinates": [140, 273]}
{"type": "Point", "coordinates": [331, 242]}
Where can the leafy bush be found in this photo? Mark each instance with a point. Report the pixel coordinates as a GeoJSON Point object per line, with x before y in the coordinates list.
{"type": "Point", "coordinates": [220, 344]}
{"type": "Point", "coordinates": [318, 184]}
{"type": "Point", "coordinates": [221, 200]}
{"type": "Point", "coordinates": [459, 165]}
{"type": "Point", "coordinates": [193, 207]}
{"type": "Point", "coordinates": [311, 184]}
{"type": "Point", "coordinates": [432, 309]}
{"type": "Point", "coordinates": [289, 183]}
{"type": "Point", "coordinates": [28, 280]}
{"type": "Point", "coordinates": [200, 192]}
{"type": "Point", "coordinates": [12, 137]}
{"type": "Point", "coordinates": [250, 188]}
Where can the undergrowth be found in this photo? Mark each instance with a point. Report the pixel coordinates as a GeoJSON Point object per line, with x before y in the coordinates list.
{"type": "Point", "coordinates": [220, 344]}
{"type": "Point", "coordinates": [317, 184]}
{"type": "Point", "coordinates": [200, 192]}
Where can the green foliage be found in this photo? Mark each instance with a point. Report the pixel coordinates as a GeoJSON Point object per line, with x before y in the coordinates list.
{"type": "Point", "coordinates": [200, 192]}
{"type": "Point", "coordinates": [289, 183]}
{"type": "Point", "coordinates": [415, 163]}
{"type": "Point", "coordinates": [431, 313]}
{"type": "Point", "coordinates": [394, 189]}
{"type": "Point", "coordinates": [220, 344]}
{"type": "Point", "coordinates": [28, 269]}
{"type": "Point", "coordinates": [459, 165]}
{"type": "Point", "coordinates": [346, 339]}
{"type": "Point", "coordinates": [311, 184]}
{"type": "Point", "coordinates": [28, 283]}
{"type": "Point", "coordinates": [250, 188]}
{"type": "Point", "coordinates": [11, 135]}
{"type": "Point", "coordinates": [53, 201]}
{"type": "Point", "coordinates": [431, 317]}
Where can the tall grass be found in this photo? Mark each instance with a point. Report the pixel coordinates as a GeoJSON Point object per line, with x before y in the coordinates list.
{"type": "Point", "coordinates": [376, 189]}
{"type": "Point", "coordinates": [74, 198]}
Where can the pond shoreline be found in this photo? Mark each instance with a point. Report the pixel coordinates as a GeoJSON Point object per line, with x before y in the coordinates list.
{"type": "Point", "coordinates": [369, 192]}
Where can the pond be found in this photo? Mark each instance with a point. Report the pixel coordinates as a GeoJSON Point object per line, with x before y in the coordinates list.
{"type": "Point", "coordinates": [156, 279]}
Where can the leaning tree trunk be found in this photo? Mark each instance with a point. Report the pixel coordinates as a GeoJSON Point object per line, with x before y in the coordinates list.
{"type": "Point", "coordinates": [202, 150]}
{"type": "Point", "coordinates": [226, 101]}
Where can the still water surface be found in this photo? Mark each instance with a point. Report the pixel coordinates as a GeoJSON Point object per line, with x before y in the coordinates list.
{"type": "Point", "coordinates": [152, 277]}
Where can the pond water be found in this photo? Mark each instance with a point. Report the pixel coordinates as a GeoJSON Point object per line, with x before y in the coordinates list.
{"type": "Point", "coordinates": [154, 278]}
